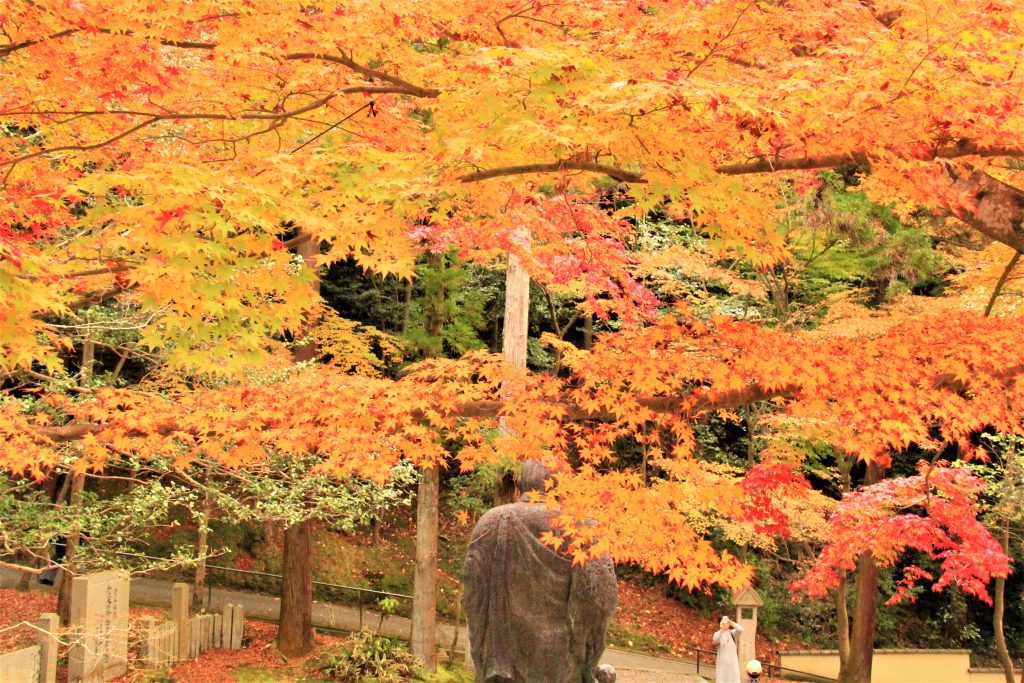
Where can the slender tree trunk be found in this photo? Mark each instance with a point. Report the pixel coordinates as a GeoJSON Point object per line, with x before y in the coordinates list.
{"type": "Point", "coordinates": [295, 633]}
{"type": "Point", "coordinates": [88, 360]}
{"type": "Point", "coordinates": [999, 604]}
{"type": "Point", "coordinates": [751, 416]}
{"type": "Point", "coordinates": [842, 624]}
{"type": "Point", "coordinates": [407, 306]}
{"type": "Point", "coordinates": [295, 636]}
{"type": "Point", "coordinates": [865, 608]}
{"type": "Point", "coordinates": [423, 641]}
{"type": "Point", "coordinates": [121, 359]}
{"type": "Point", "coordinates": [202, 550]}
{"type": "Point", "coordinates": [588, 331]}
{"type": "Point", "coordinates": [424, 615]}
{"type": "Point", "coordinates": [71, 550]}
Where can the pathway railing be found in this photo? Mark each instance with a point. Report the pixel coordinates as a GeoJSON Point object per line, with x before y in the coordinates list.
{"type": "Point", "coordinates": [707, 657]}
{"type": "Point", "coordinates": [365, 596]}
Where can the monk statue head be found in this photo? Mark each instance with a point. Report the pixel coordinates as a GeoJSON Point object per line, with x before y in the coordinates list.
{"type": "Point", "coordinates": [533, 476]}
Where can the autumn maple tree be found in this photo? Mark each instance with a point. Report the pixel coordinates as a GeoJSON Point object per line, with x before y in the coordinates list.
{"type": "Point", "coordinates": [173, 158]}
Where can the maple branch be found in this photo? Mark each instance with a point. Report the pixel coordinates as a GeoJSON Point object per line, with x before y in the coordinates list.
{"type": "Point", "coordinates": [403, 86]}
{"type": "Point", "coordinates": [78, 148]}
{"type": "Point", "coordinates": [81, 273]}
{"type": "Point", "coordinates": [47, 378]}
{"type": "Point", "coordinates": [156, 118]}
{"type": "Point", "coordinates": [98, 297]}
{"type": "Point", "coordinates": [766, 165]}
{"type": "Point", "coordinates": [705, 402]}
{"type": "Point", "coordinates": [398, 85]}
{"type": "Point", "coordinates": [1002, 281]}
{"type": "Point", "coordinates": [754, 167]}
{"type": "Point", "coordinates": [613, 172]}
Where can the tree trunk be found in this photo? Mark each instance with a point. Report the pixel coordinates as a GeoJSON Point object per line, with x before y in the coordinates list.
{"type": "Point", "coordinates": [424, 606]}
{"type": "Point", "coordinates": [999, 605]}
{"type": "Point", "coordinates": [865, 608]}
{"type": "Point", "coordinates": [71, 550]}
{"type": "Point", "coordinates": [588, 331]}
{"type": "Point", "coordinates": [865, 619]}
{"type": "Point", "coordinates": [517, 312]}
{"type": "Point", "coordinates": [295, 635]}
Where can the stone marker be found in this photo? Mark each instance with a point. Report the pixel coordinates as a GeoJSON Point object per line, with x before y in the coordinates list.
{"type": "Point", "coordinates": [237, 626]}
{"type": "Point", "coordinates": [99, 620]}
{"type": "Point", "coordinates": [747, 601]}
{"type": "Point", "coordinates": [49, 625]}
{"type": "Point", "coordinates": [21, 666]}
{"type": "Point", "coordinates": [181, 596]}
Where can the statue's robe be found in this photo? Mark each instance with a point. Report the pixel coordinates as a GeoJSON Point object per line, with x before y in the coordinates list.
{"type": "Point", "coordinates": [533, 617]}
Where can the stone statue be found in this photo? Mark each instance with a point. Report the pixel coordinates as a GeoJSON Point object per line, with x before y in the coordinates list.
{"type": "Point", "coordinates": [533, 617]}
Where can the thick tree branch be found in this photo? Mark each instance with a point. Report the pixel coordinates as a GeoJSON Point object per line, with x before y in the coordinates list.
{"type": "Point", "coordinates": [613, 172]}
{"type": "Point", "coordinates": [999, 210]}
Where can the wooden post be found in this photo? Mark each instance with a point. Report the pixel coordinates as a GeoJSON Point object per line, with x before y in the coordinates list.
{"type": "Point", "coordinates": [517, 309]}
{"type": "Point", "coordinates": [237, 626]}
{"type": "Point", "coordinates": [424, 615]}
{"type": "Point", "coordinates": [225, 639]}
{"type": "Point", "coordinates": [150, 648]}
{"type": "Point", "coordinates": [180, 600]}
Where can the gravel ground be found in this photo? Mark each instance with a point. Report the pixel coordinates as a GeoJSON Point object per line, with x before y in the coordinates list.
{"type": "Point", "coordinates": [627, 676]}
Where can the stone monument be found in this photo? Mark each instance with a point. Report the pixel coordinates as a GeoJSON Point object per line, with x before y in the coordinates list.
{"type": "Point", "coordinates": [22, 666]}
{"type": "Point", "coordinates": [99, 620]}
{"type": "Point", "coordinates": [533, 617]}
{"type": "Point", "coordinates": [747, 601]}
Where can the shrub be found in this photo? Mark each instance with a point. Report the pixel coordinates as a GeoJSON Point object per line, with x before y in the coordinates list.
{"type": "Point", "coordinates": [369, 657]}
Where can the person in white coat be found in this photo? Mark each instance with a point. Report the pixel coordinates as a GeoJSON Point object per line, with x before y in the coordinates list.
{"type": "Point", "coordinates": [727, 665]}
